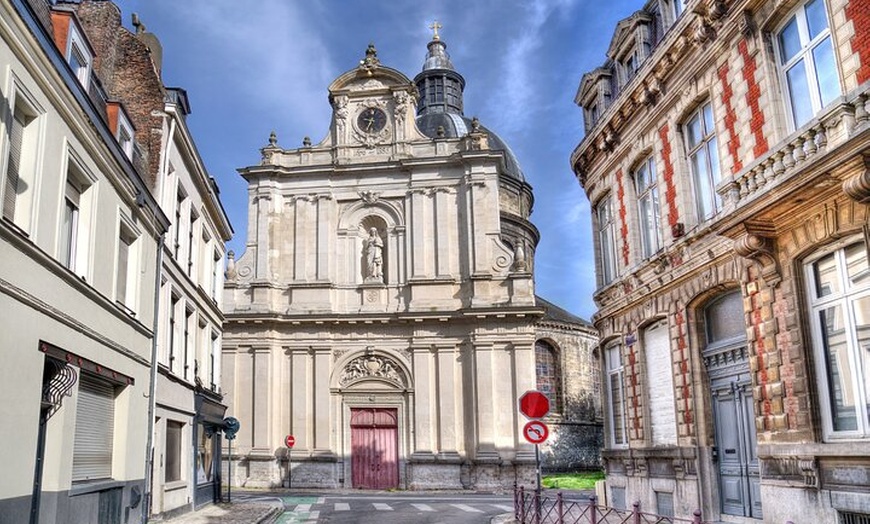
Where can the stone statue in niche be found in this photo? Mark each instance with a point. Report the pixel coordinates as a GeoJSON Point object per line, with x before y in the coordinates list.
{"type": "Point", "coordinates": [374, 253]}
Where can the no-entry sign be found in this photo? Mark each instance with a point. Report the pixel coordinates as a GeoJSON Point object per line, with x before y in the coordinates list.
{"type": "Point", "coordinates": [289, 441]}
{"type": "Point", "coordinates": [534, 404]}
{"type": "Point", "coordinates": [536, 431]}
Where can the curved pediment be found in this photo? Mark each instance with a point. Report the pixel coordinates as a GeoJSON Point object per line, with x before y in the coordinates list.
{"type": "Point", "coordinates": [369, 75]}
{"type": "Point", "coordinates": [372, 369]}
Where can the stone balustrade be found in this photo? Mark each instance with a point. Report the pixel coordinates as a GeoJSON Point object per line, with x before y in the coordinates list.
{"type": "Point", "coordinates": [808, 144]}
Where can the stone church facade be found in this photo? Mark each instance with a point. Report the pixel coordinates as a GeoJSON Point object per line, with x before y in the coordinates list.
{"type": "Point", "coordinates": [384, 311]}
{"type": "Point", "coordinates": [727, 161]}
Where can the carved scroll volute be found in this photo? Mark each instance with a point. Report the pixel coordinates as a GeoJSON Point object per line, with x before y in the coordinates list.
{"type": "Point", "coordinates": [858, 186]}
{"type": "Point", "coordinates": [759, 249]}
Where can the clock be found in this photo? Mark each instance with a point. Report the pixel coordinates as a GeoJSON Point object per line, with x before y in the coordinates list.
{"type": "Point", "coordinates": [371, 120]}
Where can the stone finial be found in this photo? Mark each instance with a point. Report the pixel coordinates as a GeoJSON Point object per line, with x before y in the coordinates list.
{"type": "Point", "coordinates": [231, 273]}
{"type": "Point", "coordinates": [520, 264]}
{"type": "Point", "coordinates": [306, 141]}
{"type": "Point", "coordinates": [273, 139]}
{"type": "Point", "coordinates": [475, 125]}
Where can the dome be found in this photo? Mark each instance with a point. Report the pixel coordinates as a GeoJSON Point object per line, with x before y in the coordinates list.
{"type": "Point", "coordinates": [457, 126]}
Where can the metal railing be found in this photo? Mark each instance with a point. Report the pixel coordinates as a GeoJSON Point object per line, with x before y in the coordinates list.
{"type": "Point", "coordinates": [531, 507]}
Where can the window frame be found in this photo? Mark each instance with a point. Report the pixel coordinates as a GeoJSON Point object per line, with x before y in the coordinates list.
{"type": "Point", "coordinates": [846, 298]}
{"type": "Point", "coordinates": [606, 236]}
{"type": "Point", "coordinates": [619, 371]}
{"type": "Point", "coordinates": [179, 469]}
{"type": "Point", "coordinates": [29, 155]}
{"type": "Point", "coordinates": [650, 234]}
{"type": "Point", "coordinates": [125, 134]}
{"type": "Point", "coordinates": [714, 176]}
{"type": "Point", "coordinates": [127, 234]}
{"type": "Point", "coordinates": [80, 249]}
{"type": "Point", "coordinates": [555, 378]}
{"type": "Point", "coordinates": [805, 54]}
{"type": "Point", "coordinates": [78, 47]}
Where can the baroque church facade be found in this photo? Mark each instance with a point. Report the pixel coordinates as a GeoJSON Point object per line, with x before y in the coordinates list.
{"type": "Point", "coordinates": [384, 312]}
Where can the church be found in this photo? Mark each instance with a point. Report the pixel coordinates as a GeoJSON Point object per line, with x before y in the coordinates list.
{"type": "Point", "coordinates": [384, 312]}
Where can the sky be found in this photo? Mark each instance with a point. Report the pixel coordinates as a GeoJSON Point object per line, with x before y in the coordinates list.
{"type": "Point", "coordinates": [258, 66]}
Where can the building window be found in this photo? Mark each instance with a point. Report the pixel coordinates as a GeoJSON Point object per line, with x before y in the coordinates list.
{"type": "Point", "coordinates": [191, 244]}
{"type": "Point", "coordinates": [78, 55]}
{"type": "Point", "coordinates": [172, 471]}
{"type": "Point", "coordinates": [125, 135]}
{"type": "Point", "coordinates": [70, 223]}
{"type": "Point", "coordinates": [806, 59]}
{"type": "Point", "coordinates": [94, 433]}
{"type": "Point", "coordinates": [606, 240]}
{"type": "Point", "coordinates": [630, 65]}
{"type": "Point", "coordinates": [212, 360]}
{"type": "Point", "coordinates": [646, 188]}
{"type": "Point", "coordinates": [173, 338]}
{"type": "Point", "coordinates": [548, 375]}
{"type": "Point", "coordinates": [20, 179]}
{"type": "Point", "coordinates": [179, 203]}
{"type": "Point", "coordinates": [216, 275]}
{"type": "Point", "coordinates": [188, 319]}
{"type": "Point", "coordinates": [616, 395]}
{"type": "Point", "coordinates": [676, 8]}
{"type": "Point", "coordinates": [839, 297]}
{"type": "Point", "coordinates": [659, 384]}
{"type": "Point", "coordinates": [204, 456]}
{"type": "Point", "coordinates": [704, 160]}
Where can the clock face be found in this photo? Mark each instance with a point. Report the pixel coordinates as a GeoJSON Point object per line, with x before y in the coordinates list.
{"type": "Point", "coordinates": [371, 120]}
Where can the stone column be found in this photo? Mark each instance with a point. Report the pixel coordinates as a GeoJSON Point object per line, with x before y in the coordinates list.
{"type": "Point", "coordinates": [449, 395]}
{"type": "Point", "coordinates": [320, 356]}
{"type": "Point", "coordinates": [423, 400]}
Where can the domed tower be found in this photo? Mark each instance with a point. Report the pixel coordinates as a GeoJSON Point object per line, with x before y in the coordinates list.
{"type": "Point", "coordinates": [440, 115]}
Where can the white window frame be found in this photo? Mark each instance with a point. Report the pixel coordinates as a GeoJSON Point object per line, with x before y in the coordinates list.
{"type": "Point", "coordinates": [805, 54]}
{"type": "Point", "coordinates": [128, 234]}
{"type": "Point", "coordinates": [81, 234]}
{"type": "Point", "coordinates": [650, 234]}
{"type": "Point", "coordinates": [846, 298]}
{"type": "Point", "coordinates": [606, 239]}
{"type": "Point", "coordinates": [125, 134]}
{"type": "Point", "coordinates": [708, 145]}
{"type": "Point", "coordinates": [611, 369]}
{"type": "Point", "coordinates": [78, 47]}
{"type": "Point", "coordinates": [29, 156]}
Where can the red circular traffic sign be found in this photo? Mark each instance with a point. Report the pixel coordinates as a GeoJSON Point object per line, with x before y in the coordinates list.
{"type": "Point", "coordinates": [290, 441]}
{"type": "Point", "coordinates": [534, 404]}
{"type": "Point", "coordinates": [536, 431]}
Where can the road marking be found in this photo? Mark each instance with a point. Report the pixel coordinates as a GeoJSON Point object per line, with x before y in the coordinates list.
{"type": "Point", "coordinates": [504, 507]}
{"type": "Point", "coordinates": [302, 508]}
{"type": "Point", "coordinates": [381, 506]}
{"type": "Point", "coordinates": [423, 507]}
{"type": "Point", "coordinates": [469, 509]}
{"type": "Point", "coordinates": [342, 506]}
{"type": "Point", "coordinates": [320, 500]}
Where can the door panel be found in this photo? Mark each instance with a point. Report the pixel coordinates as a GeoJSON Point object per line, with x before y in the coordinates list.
{"type": "Point", "coordinates": [374, 448]}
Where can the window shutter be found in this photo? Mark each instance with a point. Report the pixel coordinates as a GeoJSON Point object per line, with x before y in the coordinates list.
{"type": "Point", "coordinates": [14, 166]}
{"type": "Point", "coordinates": [95, 415]}
{"type": "Point", "coordinates": [123, 253]}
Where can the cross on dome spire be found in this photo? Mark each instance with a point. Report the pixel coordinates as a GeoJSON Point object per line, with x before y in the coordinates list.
{"type": "Point", "coordinates": [435, 27]}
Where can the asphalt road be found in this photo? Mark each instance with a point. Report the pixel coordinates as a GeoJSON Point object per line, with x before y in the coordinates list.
{"type": "Point", "coordinates": [388, 507]}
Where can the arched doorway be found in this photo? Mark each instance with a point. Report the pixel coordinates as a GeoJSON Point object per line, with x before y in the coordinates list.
{"type": "Point", "coordinates": [726, 358]}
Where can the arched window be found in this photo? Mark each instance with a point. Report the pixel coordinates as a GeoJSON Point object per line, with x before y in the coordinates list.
{"type": "Point", "coordinates": [549, 376]}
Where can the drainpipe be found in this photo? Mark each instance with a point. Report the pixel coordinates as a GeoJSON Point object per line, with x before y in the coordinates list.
{"type": "Point", "coordinates": [152, 388]}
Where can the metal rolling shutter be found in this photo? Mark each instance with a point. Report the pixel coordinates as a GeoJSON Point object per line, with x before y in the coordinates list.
{"type": "Point", "coordinates": [95, 415]}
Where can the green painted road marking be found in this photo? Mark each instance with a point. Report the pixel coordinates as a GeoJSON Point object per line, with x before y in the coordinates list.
{"type": "Point", "coordinates": [293, 501]}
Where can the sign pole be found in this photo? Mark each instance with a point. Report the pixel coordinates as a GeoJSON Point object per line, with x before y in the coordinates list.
{"type": "Point", "coordinates": [538, 465]}
{"type": "Point", "coordinates": [289, 470]}
{"type": "Point", "coordinates": [230, 472]}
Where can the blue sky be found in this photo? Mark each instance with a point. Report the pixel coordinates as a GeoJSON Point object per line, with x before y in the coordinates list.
{"type": "Point", "coordinates": [256, 66]}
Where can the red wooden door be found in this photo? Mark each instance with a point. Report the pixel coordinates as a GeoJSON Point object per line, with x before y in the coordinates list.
{"type": "Point", "coordinates": [374, 452]}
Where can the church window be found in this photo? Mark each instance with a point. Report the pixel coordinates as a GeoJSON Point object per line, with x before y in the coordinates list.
{"type": "Point", "coordinates": [648, 207]}
{"type": "Point", "coordinates": [548, 373]}
{"type": "Point", "coordinates": [839, 299]}
{"type": "Point", "coordinates": [606, 240]}
{"type": "Point", "coordinates": [703, 158]}
{"type": "Point", "coordinates": [806, 60]}
{"type": "Point", "coordinates": [616, 395]}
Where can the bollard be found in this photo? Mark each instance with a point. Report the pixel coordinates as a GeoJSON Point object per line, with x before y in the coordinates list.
{"type": "Point", "coordinates": [559, 505]}
{"type": "Point", "coordinates": [635, 512]}
{"type": "Point", "coordinates": [593, 510]}
{"type": "Point", "coordinates": [696, 517]}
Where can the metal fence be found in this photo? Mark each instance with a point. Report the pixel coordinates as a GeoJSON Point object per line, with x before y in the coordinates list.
{"type": "Point", "coordinates": [531, 507]}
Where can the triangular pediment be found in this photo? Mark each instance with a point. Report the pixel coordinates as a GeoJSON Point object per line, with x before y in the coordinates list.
{"type": "Point", "coordinates": [625, 31]}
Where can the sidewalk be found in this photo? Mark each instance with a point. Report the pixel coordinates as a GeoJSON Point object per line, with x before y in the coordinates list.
{"type": "Point", "coordinates": [236, 513]}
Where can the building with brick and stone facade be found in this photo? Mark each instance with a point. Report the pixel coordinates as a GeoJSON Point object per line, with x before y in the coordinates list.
{"type": "Point", "coordinates": [167, 289]}
{"type": "Point", "coordinates": [383, 312]}
{"type": "Point", "coordinates": [727, 160]}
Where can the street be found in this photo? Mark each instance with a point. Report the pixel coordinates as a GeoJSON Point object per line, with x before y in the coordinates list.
{"type": "Point", "coordinates": [385, 507]}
